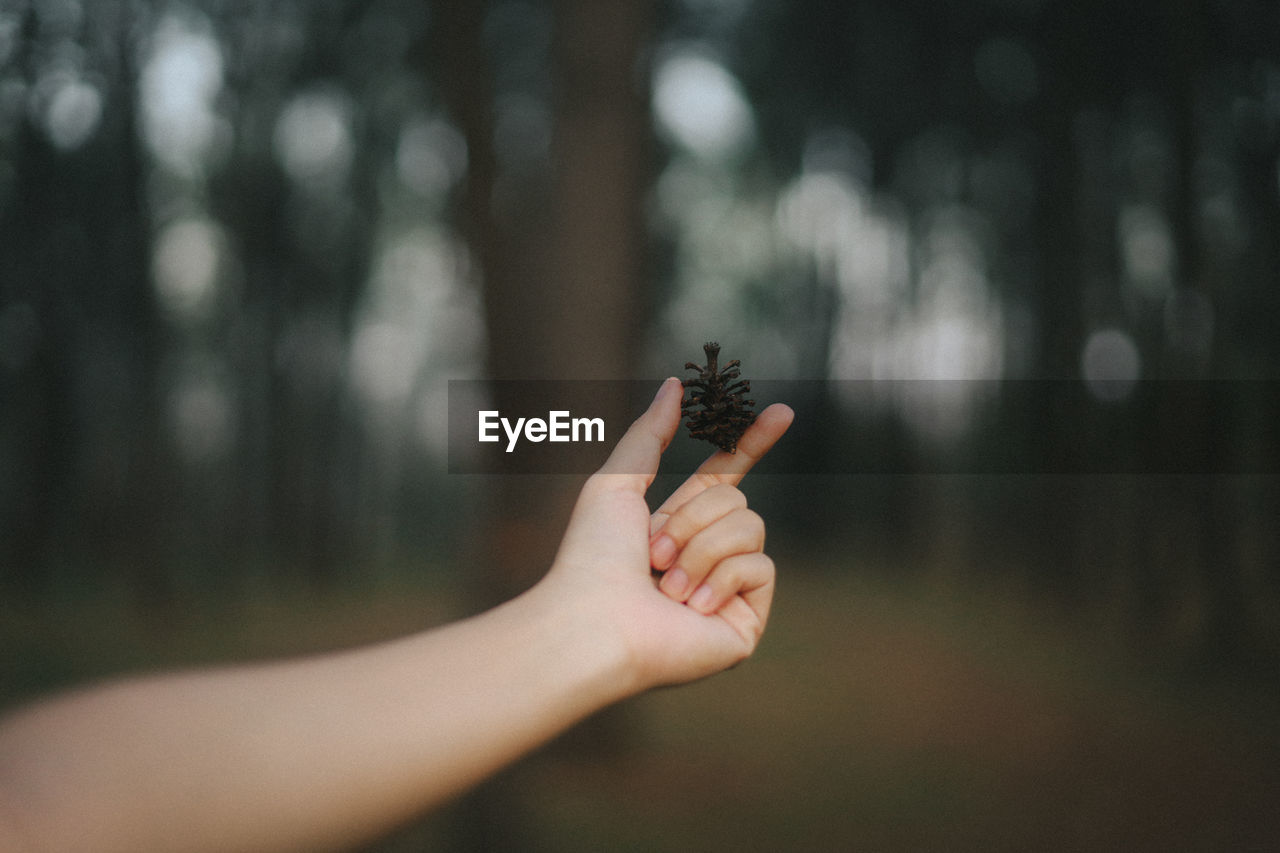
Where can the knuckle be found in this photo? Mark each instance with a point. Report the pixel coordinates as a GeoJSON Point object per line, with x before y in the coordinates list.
{"type": "Point", "coordinates": [751, 522]}
{"type": "Point", "coordinates": [768, 570]}
{"type": "Point", "coordinates": [728, 493]}
{"type": "Point", "coordinates": [709, 481]}
{"type": "Point", "coordinates": [727, 578]}
{"type": "Point", "coordinates": [757, 570]}
{"type": "Point", "coordinates": [696, 558]}
{"type": "Point", "coordinates": [680, 526]}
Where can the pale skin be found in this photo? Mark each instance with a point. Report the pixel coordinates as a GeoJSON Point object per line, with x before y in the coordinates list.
{"type": "Point", "coordinates": [326, 752]}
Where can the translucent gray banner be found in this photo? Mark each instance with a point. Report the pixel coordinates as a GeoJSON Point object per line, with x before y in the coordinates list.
{"type": "Point", "coordinates": [894, 427]}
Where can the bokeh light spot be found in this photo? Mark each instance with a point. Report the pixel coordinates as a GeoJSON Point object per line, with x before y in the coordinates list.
{"type": "Point", "coordinates": [1111, 364]}
{"type": "Point", "coordinates": [313, 138]}
{"type": "Point", "coordinates": [73, 115]}
{"type": "Point", "coordinates": [1147, 250]}
{"type": "Point", "coordinates": [185, 266]}
{"type": "Point", "coordinates": [180, 83]}
{"type": "Point", "coordinates": [700, 106]}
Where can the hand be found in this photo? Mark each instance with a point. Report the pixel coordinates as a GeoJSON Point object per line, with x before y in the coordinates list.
{"type": "Point", "coordinates": [246, 758]}
{"type": "Point", "coordinates": [712, 604]}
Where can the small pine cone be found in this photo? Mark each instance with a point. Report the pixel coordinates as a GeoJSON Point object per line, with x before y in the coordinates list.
{"type": "Point", "coordinates": [715, 407]}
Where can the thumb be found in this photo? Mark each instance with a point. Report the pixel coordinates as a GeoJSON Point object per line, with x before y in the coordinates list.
{"type": "Point", "coordinates": [639, 450]}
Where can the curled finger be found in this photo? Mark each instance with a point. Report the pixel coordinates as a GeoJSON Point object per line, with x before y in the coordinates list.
{"type": "Point", "coordinates": [741, 531]}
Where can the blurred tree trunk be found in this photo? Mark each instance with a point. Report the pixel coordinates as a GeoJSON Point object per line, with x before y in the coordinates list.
{"type": "Point", "coordinates": [36, 416]}
{"type": "Point", "coordinates": [465, 74]}
{"type": "Point", "coordinates": [1256, 288]}
{"type": "Point", "coordinates": [1218, 564]}
{"type": "Point", "coordinates": [597, 264]}
{"type": "Point", "coordinates": [149, 464]}
{"type": "Point", "coordinates": [601, 156]}
{"type": "Point", "coordinates": [560, 292]}
{"type": "Point", "coordinates": [1049, 536]}
{"type": "Point", "coordinates": [304, 261]}
{"type": "Point", "coordinates": [85, 411]}
{"type": "Point", "coordinates": [250, 199]}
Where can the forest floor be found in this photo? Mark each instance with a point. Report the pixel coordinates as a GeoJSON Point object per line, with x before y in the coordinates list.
{"type": "Point", "coordinates": [876, 716]}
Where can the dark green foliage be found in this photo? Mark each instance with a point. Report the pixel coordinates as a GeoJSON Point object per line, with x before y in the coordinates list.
{"type": "Point", "coordinates": [715, 407]}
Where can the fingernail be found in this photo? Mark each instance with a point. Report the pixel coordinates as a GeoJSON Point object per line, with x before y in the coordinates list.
{"type": "Point", "coordinates": [662, 553]}
{"type": "Point", "coordinates": [674, 583]}
{"type": "Point", "coordinates": [701, 598]}
{"type": "Point", "coordinates": [662, 388]}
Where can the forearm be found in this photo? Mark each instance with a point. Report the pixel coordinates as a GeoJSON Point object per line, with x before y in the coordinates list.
{"type": "Point", "coordinates": [323, 753]}
{"type": "Point", "coordinates": [303, 755]}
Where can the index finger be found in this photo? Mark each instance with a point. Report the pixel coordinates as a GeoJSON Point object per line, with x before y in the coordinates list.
{"type": "Point", "coordinates": [729, 468]}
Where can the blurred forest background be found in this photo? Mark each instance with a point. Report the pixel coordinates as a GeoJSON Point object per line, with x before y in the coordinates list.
{"type": "Point", "coordinates": [244, 246]}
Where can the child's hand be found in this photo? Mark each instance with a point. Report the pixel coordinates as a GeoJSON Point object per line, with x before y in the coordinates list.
{"type": "Point", "coordinates": [710, 607]}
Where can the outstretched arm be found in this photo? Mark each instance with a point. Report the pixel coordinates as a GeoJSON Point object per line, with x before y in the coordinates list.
{"type": "Point", "coordinates": [325, 752]}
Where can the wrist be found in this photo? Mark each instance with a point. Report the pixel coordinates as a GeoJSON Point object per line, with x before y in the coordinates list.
{"type": "Point", "coordinates": [597, 664]}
